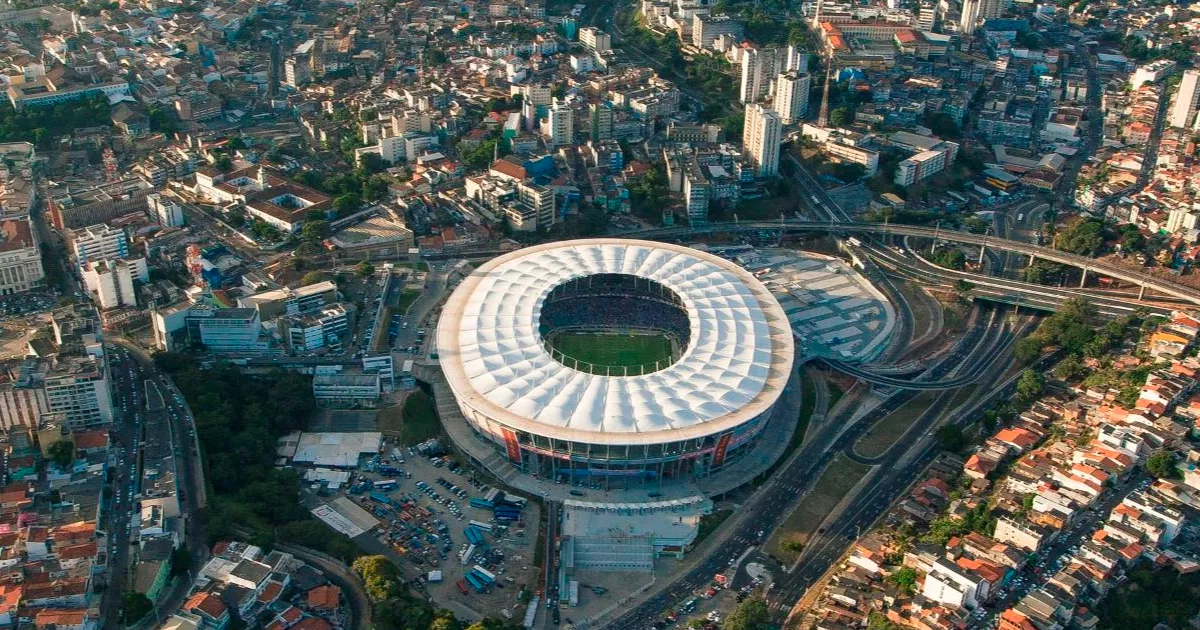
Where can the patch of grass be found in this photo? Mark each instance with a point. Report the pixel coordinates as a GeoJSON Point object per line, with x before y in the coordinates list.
{"type": "Point", "coordinates": [808, 392]}
{"type": "Point", "coordinates": [710, 523]}
{"type": "Point", "coordinates": [880, 437]}
{"type": "Point", "coordinates": [406, 299]}
{"type": "Point", "coordinates": [612, 350]}
{"type": "Point", "coordinates": [413, 422]}
{"type": "Point", "coordinates": [840, 477]}
{"type": "Point", "coordinates": [835, 394]}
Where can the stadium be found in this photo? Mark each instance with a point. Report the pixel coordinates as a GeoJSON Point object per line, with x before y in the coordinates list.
{"type": "Point", "coordinates": [606, 359]}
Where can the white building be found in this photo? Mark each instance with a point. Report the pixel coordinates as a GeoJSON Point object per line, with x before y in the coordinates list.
{"type": "Point", "coordinates": [1187, 100]}
{"type": "Point", "coordinates": [974, 11]}
{"type": "Point", "coordinates": [560, 125]}
{"type": "Point", "coordinates": [305, 333]}
{"type": "Point", "coordinates": [791, 96]}
{"type": "Point", "coordinates": [759, 67]}
{"type": "Point", "coordinates": [948, 584]}
{"type": "Point", "coordinates": [111, 283]}
{"type": "Point", "coordinates": [99, 242]}
{"type": "Point", "coordinates": [707, 28]}
{"type": "Point", "coordinates": [595, 39]}
{"type": "Point", "coordinates": [761, 138]}
{"type": "Point", "coordinates": [1152, 72]}
{"type": "Point", "coordinates": [163, 211]}
{"type": "Point", "coordinates": [921, 166]}
{"type": "Point", "coordinates": [20, 257]}
{"type": "Point", "coordinates": [77, 388]}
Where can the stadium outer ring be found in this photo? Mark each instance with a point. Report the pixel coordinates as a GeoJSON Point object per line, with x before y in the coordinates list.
{"type": "Point", "coordinates": [473, 402]}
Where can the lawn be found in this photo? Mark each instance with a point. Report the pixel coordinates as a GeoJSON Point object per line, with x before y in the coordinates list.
{"type": "Point", "coordinates": [880, 437]}
{"type": "Point", "coordinates": [406, 300]}
{"type": "Point", "coordinates": [612, 350]}
{"type": "Point", "coordinates": [840, 477]}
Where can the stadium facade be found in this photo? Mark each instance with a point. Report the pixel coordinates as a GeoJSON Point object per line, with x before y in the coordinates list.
{"type": "Point", "coordinates": [683, 416]}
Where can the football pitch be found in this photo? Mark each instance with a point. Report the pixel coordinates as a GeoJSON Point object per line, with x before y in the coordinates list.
{"type": "Point", "coordinates": [613, 350]}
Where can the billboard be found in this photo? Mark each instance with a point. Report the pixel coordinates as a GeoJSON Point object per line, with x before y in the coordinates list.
{"type": "Point", "coordinates": [722, 446]}
{"type": "Point", "coordinates": [510, 444]}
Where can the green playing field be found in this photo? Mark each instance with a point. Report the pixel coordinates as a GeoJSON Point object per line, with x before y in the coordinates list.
{"type": "Point", "coordinates": [613, 350]}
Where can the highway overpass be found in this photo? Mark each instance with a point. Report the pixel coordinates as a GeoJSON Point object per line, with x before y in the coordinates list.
{"type": "Point", "coordinates": [1088, 265]}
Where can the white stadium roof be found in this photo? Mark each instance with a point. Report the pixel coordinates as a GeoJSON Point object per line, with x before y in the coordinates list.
{"type": "Point", "coordinates": [736, 363]}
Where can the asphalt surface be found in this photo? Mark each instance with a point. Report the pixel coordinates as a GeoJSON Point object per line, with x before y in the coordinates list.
{"type": "Point", "coordinates": [188, 468]}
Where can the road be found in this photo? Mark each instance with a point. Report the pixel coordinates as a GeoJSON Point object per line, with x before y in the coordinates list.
{"type": "Point", "coordinates": [188, 466]}
{"type": "Point", "coordinates": [125, 434]}
{"type": "Point", "coordinates": [770, 505]}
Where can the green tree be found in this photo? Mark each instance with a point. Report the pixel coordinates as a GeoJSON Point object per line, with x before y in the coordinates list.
{"type": "Point", "coordinates": [313, 277]}
{"type": "Point", "coordinates": [751, 614]}
{"type": "Point", "coordinates": [950, 437]}
{"type": "Point", "coordinates": [380, 577]}
{"type": "Point", "coordinates": [223, 163]}
{"type": "Point", "coordinates": [62, 452]}
{"type": "Point", "coordinates": [134, 606]}
{"type": "Point", "coordinates": [841, 116]}
{"type": "Point", "coordinates": [314, 231]}
{"type": "Point", "coordinates": [1029, 386]}
{"type": "Point", "coordinates": [1081, 236]}
{"type": "Point", "coordinates": [365, 269]}
{"type": "Point", "coordinates": [904, 579]}
{"type": "Point", "coordinates": [347, 204]}
{"type": "Point", "coordinates": [1162, 465]}
{"type": "Point", "coordinates": [950, 258]}
{"type": "Point", "coordinates": [1069, 369]}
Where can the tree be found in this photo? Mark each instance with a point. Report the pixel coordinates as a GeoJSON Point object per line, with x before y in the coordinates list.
{"type": "Point", "coordinates": [134, 606]}
{"type": "Point", "coordinates": [792, 546]}
{"type": "Point", "coordinates": [751, 614]}
{"type": "Point", "coordinates": [62, 452]}
{"type": "Point", "coordinates": [1162, 465]}
{"type": "Point", "coordinates": [841, 116]}
{"type": "Point", "coordinates": [315, 231]}
{"type": "Point", "coordinates": [950, 258]}
{"type": "Point", "coordinates": [223, 163]}
{"type": "Point", "coordinates": [380, 577]}
{"type": "Point", "coordinates": [236, 216]}
{"type": "Point", "coordinates": [181, 561]}
{"type": "Point", "coordinates": [1069, 369]}
{"type": "Point", "coordinates": [365, 269]}
{"type": "Point", "coordinates": [950, 436]}
{"type": "Point", "coordinates": [313, 277]}
{"type": "Point", "coordinates": [1029, 386]}
{"type": "Point", "coordinates": [963, 289]}
{"type": "Point", "coordinates": [1082, 236]}
{"type": "Point", "coordinates": [347, 204]}
{"type": "Point", "coordinates": [904, 579]}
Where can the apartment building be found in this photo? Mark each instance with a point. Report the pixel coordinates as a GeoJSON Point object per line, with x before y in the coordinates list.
{"type": "Point", "coordinates": [20, 257]}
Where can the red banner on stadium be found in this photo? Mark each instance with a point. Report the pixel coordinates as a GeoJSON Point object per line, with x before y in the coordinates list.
{"type": "Point", "coordinates": [510, 441]}
{"type": "Point", "coordinates": [722, 444]}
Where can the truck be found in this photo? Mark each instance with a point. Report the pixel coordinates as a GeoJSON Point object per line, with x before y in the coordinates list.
{"type": "Point", "coordinates": [462, 586]}
{"type": "Point", "coordinates": [379, 497]}
{"type": "Point", "coordinates": [385, 484]}
{"type": "Point", "coordinates": [465, 557]}
{"type": "Point", "coordinates": [482, 504]}
{"type": "Point", "coordinates": [481, 525]}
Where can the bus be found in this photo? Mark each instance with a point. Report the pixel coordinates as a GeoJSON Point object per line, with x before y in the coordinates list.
{"type": "Point", "coordinates": [385, 484]}
{"type": "Point", "coordinates": [484, 573]}
{"type": "Point", "coordinates": [484, 526]}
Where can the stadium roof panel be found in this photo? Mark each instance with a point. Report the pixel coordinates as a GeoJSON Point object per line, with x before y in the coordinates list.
{"type": "Point", "coordinates": [734, 367]}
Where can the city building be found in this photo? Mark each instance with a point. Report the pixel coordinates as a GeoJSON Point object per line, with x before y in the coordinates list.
{"type": "Point", "coordinates": [595, 39]}
{"type": "Point", "coordinates": [77, 390]}
{"type": "Point", "coordinates": [759, 67]}
{"type": "Point", "coordinates": [975, 11]}
{"type": "Point", "coordinates": [223, 330]}
{"type": "Point", "coordinates": [71, 209]}
{"type": "Point", "coordinates": [163, 211]}
{"type": "Point", "coordinates": [306, 333]}
{"type": "Point", "coordinates": [346, 390]}
{"type": "Point", "coordinates": [706, 28]}
{"type": "Point", "coordinates": [113, 283]}
{"type": "Point", "coordinates": [791, 96]}
{"type": "Point", "coordinates": [560, 125]}
{"type": "Point", "coordinates": [921, 166]}
{"type": "Point", "coordinates": [1152, 72]}
{"type": "Point", "coordinates": [20, 257]}
{"type": "Point", "coordinates": [761, 137]}
{"type": "Point", "coordinates": [1187, 100]}
{"type": "Point", "coordinates": [601, 116]}
{"type": "Point", "coordinates": [98, 242]}
{"type": "Point", "coordinates": [696, 193]}
{"type": "Point", "coordinates": [289, 301]}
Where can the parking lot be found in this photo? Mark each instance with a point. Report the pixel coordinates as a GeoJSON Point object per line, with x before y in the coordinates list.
{"type": "Point", "coordinates": [424, 523]}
